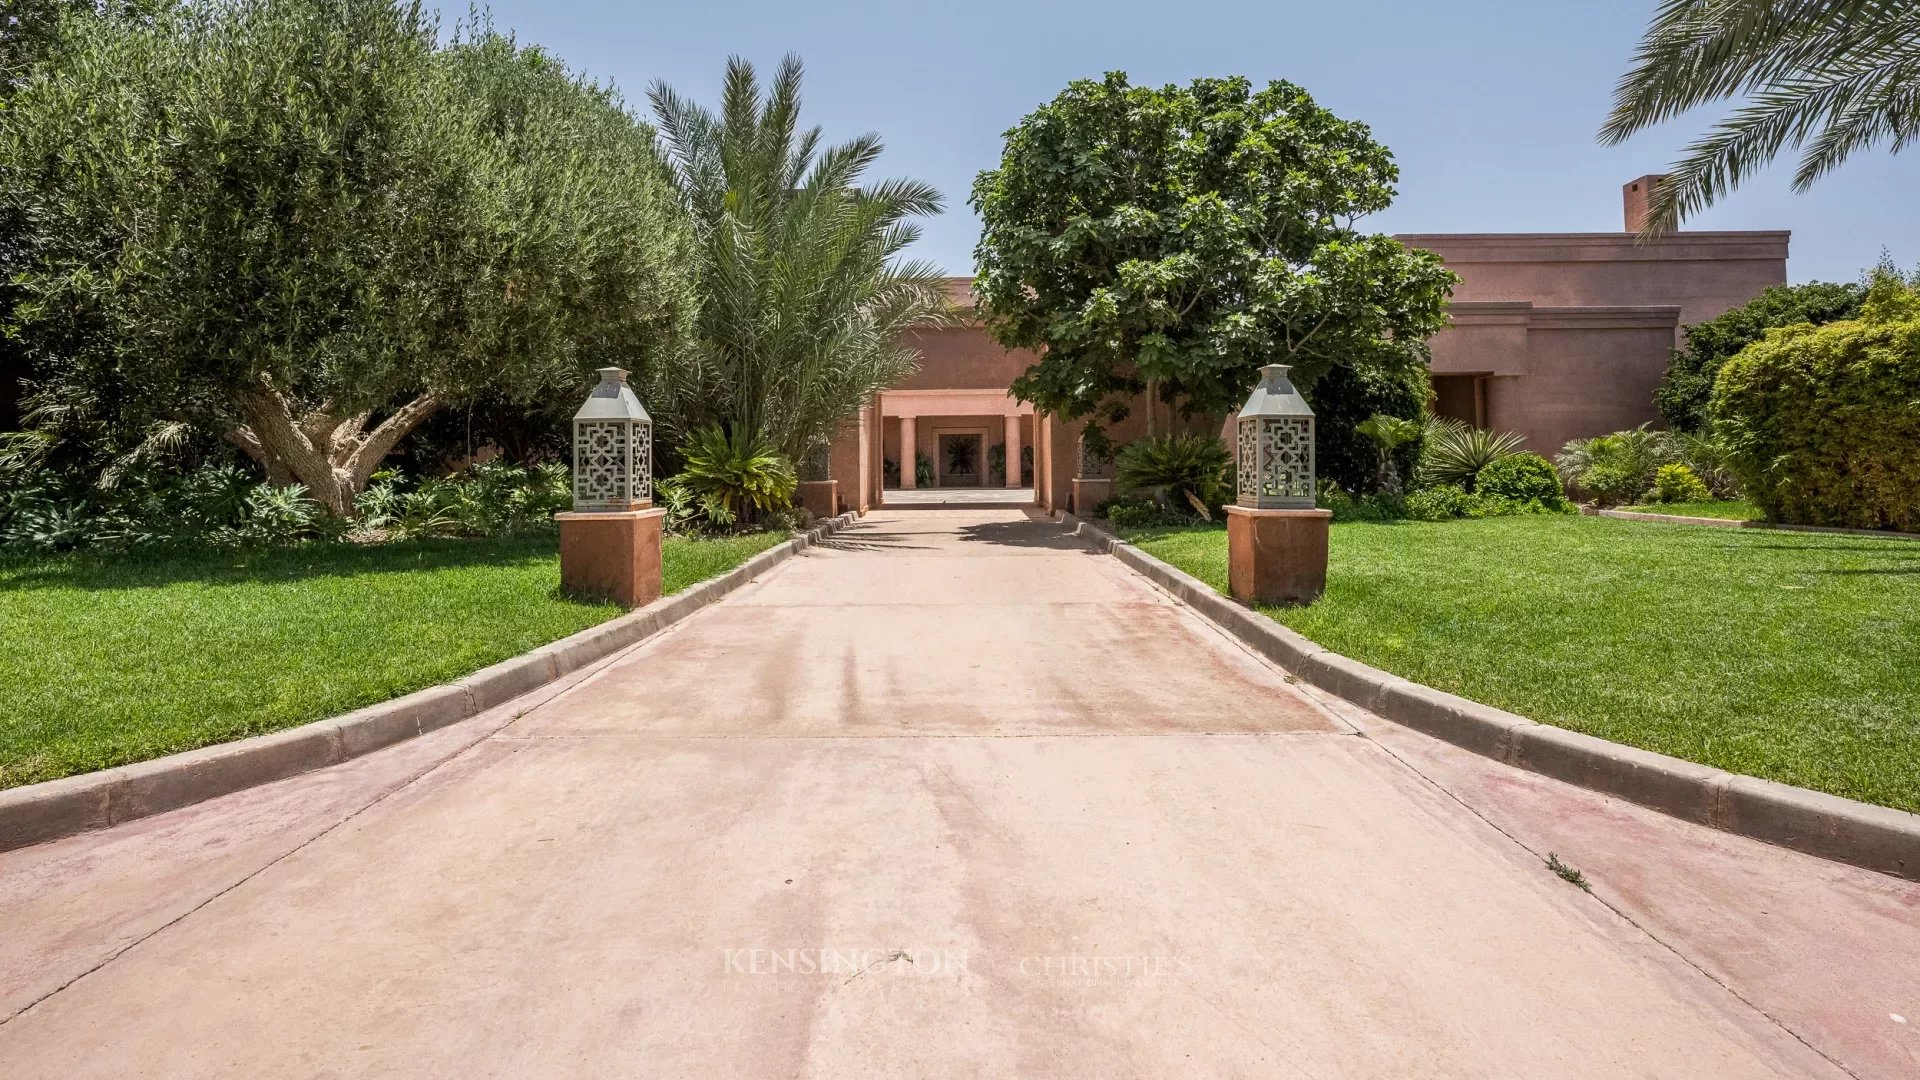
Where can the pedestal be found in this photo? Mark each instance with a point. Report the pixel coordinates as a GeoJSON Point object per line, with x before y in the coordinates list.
{"type": "Point", "coordinates": [1276, 556]}
{"type": "Point", "coordinates": [615, 555]}
{"type": "Point", "coordinates": [1089, 494]}
{"type": "Point", "coordinates": [821, 498]}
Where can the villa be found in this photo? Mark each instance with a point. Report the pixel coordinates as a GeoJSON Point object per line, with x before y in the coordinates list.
{"type": "Point", "coordinates": [1555, 336]}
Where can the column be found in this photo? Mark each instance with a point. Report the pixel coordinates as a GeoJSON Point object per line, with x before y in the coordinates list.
{"type": "Point", "coordinates": [909, 448]}
{"type": "Point", "coordinates": [1013, 450]}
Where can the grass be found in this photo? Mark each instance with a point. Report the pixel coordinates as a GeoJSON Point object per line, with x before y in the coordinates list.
{"type": "Point", "coordinates": [1783, 655]}
{"type": "Point", "coordinates": [1730, 509]}
{"type": "Point", "coordinates": [109, 660]}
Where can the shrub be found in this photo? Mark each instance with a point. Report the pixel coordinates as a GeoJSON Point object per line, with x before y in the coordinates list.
{"type": "Point", "coordinates": [737, 471]}
{"type": "Point", "coordinates": [1454, 452]}
{"type": "Point", "coordinates": [1185, 472]}
{"type": "Point", "coordinates": [1141, 513]}
{"type": "Point", "coordinates": [1706, 456]}
{"type": "Point", "coordinates": [1351, 507]}
{"type": "Point", "coordinates": [1612, 483]}
{"type": "Point", "coordinates": [1522, 477]}
{"type": "Point", "coordinates": [1677, 483]}
{"type": "Point", "coordinates": [1684, 392]}
{"type": "Point", "coordinates": [1823, 423]}
{"type": "Point", "coordinates": [1441, 502]}
{"type": "Point", "coordinates": [1618, 467]}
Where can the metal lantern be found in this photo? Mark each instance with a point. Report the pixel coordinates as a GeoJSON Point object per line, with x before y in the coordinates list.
{"type": "Point", "coordinates": [1274, 445]}
{"type": "Point", "coordinates": [612, 448]}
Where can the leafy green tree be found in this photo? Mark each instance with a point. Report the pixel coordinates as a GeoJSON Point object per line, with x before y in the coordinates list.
{"type": "Point", "coordinates": [1172, 240]}
{"type": "Point", "coordinates": [1682, 396]}
{"type": "Point", "coordinates": [805, 302]}
{"type": "Point", "coordinates": [1828, 77]}
{"type": "Point", "coordinates": [307, 226]}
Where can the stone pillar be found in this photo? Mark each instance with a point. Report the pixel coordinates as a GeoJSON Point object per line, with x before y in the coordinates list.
{"type": "Point", "coordinates": [613, 555]}
{"type": "Point", "coordinates": [1276, 556]}
{"type": "Point", "coordinates": [909, 453]}
{"type": "Point", "coordinates": [1089, 493]}
{"type": "Point", "coordinates": [820, 497]}
{"type": "Point", "coordinates": [1013, 450]}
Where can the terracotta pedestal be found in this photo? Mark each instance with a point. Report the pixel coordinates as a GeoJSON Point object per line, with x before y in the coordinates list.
{"type": "Point", "coordinates": [1088, 494]}
{"type": "Point", "coordinates": [615, 555]}
{"type": "Point", "coordinates": [821, 498]}
{"type": "Point", "coordinates": [1276, 556]}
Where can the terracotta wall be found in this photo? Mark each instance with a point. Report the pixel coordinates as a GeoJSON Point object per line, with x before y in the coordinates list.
{"type": "Point", "coordinates": [1702, 273]}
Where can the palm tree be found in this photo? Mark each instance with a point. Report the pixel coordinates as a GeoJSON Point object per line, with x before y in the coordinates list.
{"type": "Point", "coordinates": [1828, 77]}
{"type": "Point", "coordinates": [805, 303]}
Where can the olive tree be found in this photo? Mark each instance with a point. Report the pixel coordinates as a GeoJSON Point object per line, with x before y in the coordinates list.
{"type": "Point", "coordinates": [1173, 240]}
{"type": "Point", "coordinates": [307, 225]}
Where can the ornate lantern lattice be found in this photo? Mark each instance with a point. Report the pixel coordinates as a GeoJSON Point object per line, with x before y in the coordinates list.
{"type": "Point", "coordinates": [612, 448]}
{"type": "Point", "coordinates": [1274, 445]}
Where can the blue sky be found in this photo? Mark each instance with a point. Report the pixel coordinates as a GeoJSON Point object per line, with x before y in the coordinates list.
{"type": "Point", "coordinates": [1490, 107]}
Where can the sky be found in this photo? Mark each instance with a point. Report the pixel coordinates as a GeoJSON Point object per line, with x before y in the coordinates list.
{"type": "Point", "coordinates": [1490, 107]}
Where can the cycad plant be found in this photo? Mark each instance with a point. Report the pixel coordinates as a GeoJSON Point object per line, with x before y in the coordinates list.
{"type": "Point", "coordinates": [805, 303]}
{"type": "Point", "coordinates": [1454, 452]}
{"type": "Point", "coordinates": [1827, 77]}
{"type": "Point", "coordinates": [741, 472]}
{"type": "Point", "coordinates": [1181, 471]}
{"type": "Point", "coordinates": [1388, 433]}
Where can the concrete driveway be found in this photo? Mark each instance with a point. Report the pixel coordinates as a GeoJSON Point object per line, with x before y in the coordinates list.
{"type": "Point", "coordinates": [949, 796]}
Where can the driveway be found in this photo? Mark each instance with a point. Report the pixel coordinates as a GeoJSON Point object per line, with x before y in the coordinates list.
{"type": "Point", "coordinates": [947, 796]}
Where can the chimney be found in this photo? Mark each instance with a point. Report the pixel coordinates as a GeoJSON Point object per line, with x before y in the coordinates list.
{"type": "Point", "coordinates": [1635, 197]}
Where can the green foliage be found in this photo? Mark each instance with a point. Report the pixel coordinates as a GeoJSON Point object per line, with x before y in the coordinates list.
{"type": "Point", "coordinates": [1454, 452]}
{"type": "Point", "coordinates": [304, 225]}
{"type": "Point", "coordinates": [226, 507]}
{"type": "Point", "coordinates": [1523, 477]}
{"type": "Point", "coordinates": [1678, 484]}
{"type": "Point", "coordinates": [1347, 397]}
{"type": "Point", "coordinates": [1388, 434]}
{"type": "Point", "coordinates": [1827, 76]}
{"type": "Point", "coordinates": [1823, 423]}
{"type": "Point", "coordinates": [1441, 502]}
{"type": "Point", "coordinates": [922, 469]}
{"type": "Point", "coordinates": [806, 305]}
{"type": "Point", "coordinates": [1617, 468]}
{"type": "Point", "coordinates": [1133, 512]}
{"type": "Point", "coordinates": [1172, 240]}
{"type": "Point", "coordinates": [1683, 393]}
{"type": "Point", "coordinates": [742, 473]}
{"type": "Point", "coordinates": [1185, 472]}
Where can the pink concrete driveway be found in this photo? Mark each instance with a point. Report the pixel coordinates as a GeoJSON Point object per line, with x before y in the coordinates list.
{"type": "Point", "coordinates": [949, 796]}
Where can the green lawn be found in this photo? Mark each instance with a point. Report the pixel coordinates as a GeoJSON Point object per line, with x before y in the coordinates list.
{"type": "Point", "coordinates": [1731, 509]}
{"type": "Point", "coordinates": [104, 661]}
{"type": "Point", "coordinates": [1790, 656]}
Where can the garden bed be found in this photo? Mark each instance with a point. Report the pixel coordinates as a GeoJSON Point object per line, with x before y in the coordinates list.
{"type": "Point", "coordinates": [1728, 509]}
{"type": "Point", "coordinates": [109, 660]}
{"type": "Point", "coordinates": [1786, 656]}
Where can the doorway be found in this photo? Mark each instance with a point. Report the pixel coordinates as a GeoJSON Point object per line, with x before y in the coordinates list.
{"type": "Point", "coordinates": [960, 460]}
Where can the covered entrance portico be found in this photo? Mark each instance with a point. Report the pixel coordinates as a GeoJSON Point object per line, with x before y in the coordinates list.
{"type": "Point", "coordinates": [956, 438]}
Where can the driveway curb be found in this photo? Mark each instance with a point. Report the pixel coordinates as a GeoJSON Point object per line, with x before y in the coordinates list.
{"type": "Point", "coordinates": [1874, 837]}
{"type": "Point", "coordinates": [1745, 523]}
{"type": "Point", "coordinates": [37, 813]}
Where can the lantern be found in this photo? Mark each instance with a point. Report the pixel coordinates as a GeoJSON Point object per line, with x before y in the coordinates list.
{"type": "Point", "coordinates": [612, 448]}
{"type": "Point", "coordinates": [1274, 445]}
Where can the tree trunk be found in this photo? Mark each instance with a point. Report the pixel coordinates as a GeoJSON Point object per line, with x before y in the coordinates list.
{"type": "Point", "coordinates": [330, 453]}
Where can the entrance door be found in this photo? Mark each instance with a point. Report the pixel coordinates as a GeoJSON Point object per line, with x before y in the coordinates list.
{"type": "Point", "coordinates": [963, 461]}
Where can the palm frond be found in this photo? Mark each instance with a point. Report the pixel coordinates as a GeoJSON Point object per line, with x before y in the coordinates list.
{"type": "Point", "coordinates": [1831, 77]}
